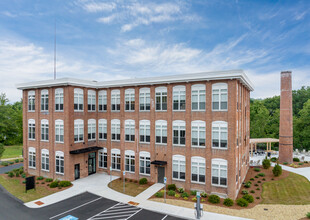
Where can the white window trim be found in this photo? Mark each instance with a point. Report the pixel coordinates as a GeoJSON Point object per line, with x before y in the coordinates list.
{"type": "Point", "coordinates": [198, 160]}
{"type": "Point", "coordinates": [144, 123]}
{"type": "Point", "coordinates": [179, 158]}
{"type": "Point", "coordinates": [59, 154]}
{"type": "Point", "coordinates": [219, 124]}
{"type": "Point", "coordinates": [117, 94]}
{"type": "Point", "coordinates": [32, 150]}
{"type": "Point", "coordinates": [198, 124]}
{"type": "Point", "coordinates": [144, 154]}
{"type": "Point", "coordinates": [129, 153]}
{"type": "Point", "coordinates": [117, 152]}
{"type": "Point", "coordinates": [220, 162]}
{"type": "Point", "coordinates": [79, 122]}
{"type": "Point", "coordinates": [59, 93]}
{"type": "Point", "coordinates": [79, 92]}
{"type": "Point", "coordinates": [59, 123]}
{"type": "Point", "coordinates": [90, 95]}
{"type": "Point", "coordinates": [104, 124]}
{"type": "Point", "coordinates": [45, 152]}
{"type": "Point", "coordinates": [178, 123]}
{"type": "Point", "coordinates": [144, 91]}
{"type": "Point", "coordinates": [44, 92]}
{"type": "Point", "coordinates": [130, 122]}
{"type": "Point", "coordinates": [161, 123]}
{"type": "Point", "coordinates": [116, 123]}
{"type": "Point", "coordinates": [161, 90]}
{"type": "Point", "coordinates": [44, 122]}
{"type": "Point", "coordinates": [130, 92]}
{"type": "Point", "coordinates": [198, 87]}
{"type": "Point", "coordinates": [103, 152]}
{"type": "Point", "coordinates": [91, 124]}
{"type": "Point", "coordinates": [178, 89]}
{"type": "Point", "coordinates": [220, 86]}
{"type": "Point", "coordinates": [32, 121]}
{"type": "Point", "coordinates": [31, 93]}
{"type": "Point", "coordinates": [103, 94]}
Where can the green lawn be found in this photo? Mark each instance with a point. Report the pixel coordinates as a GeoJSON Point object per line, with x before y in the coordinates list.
{"type": "Point", "coordinates": [12, 151]}
{"type": "Point", "coordinates": [293, 190]}
{"type": "Point", "coordinates": [131, 188]}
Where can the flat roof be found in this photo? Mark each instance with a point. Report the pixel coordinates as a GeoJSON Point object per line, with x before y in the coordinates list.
{"type": "Point", "coordinates": [191, 77]}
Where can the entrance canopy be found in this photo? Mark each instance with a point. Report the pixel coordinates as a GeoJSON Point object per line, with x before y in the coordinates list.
{"type": "Point", "coordinates": [85, 150]}
{"type": "Point", "coordinates": [268, 141]}
{"type": "Point", "coordinates": [159, 162]}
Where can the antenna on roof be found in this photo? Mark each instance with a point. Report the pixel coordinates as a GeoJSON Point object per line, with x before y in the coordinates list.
{"type": "Point", "coordinates": [55, 51]}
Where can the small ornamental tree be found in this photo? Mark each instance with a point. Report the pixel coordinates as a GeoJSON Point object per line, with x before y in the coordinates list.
{"type": "Point", "coordinates": [277, 170]}
{"type": "Point", "coordinates": [266, 163]}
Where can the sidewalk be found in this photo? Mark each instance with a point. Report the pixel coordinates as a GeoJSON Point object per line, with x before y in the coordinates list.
{"type": "Point", "coordinates": [146, 194]}
{"type": "Point", "coordinates": [305, 171]}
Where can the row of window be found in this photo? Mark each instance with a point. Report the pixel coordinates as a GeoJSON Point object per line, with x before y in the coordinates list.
{"type": "Point", "coordinates": [198, 131]}
{"type": "Point", "coordinates": [198, 166]}
{"type": "Point", "coordinates": [198, 93]}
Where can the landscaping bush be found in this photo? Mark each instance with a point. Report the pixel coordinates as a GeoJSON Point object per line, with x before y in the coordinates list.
{"type": "Point", "coordinates": [4, 164]}
{"type": "Point", "coordinates": [244, 192]}
{"type": "Point", "coordinates": [300, 164]}
{"type": "Point", "coordinates": [17, 174]}
{"type": "Point", "coordinates": [6, 172]}
{"type": "Point", "coordinates": [257, 188]}
{"type": "Point", "coordinates": [266, 163]}
{"type": "Point", "coordinates": [64, 183]}
{"type": "Point", "coordinates": [11, 162]}
{"type": "Point", "coordinates": [143, 181]}
{"type": "Point", "coordinates": [202, 200]}
{"type": "Point", "coordinates": [23, 175]}
{"type": "Point", "coordinates": [171, 193]}
{"type": "Point", "coordinates": [214, 199]}
{"type": "Point", "coordinates": [255, 184]}
{"type": "Point", "coordinates": [228, 202]}
{"type": "Point", "coordinates": [277, 170]}
{"type": "Point", "coordinates": [252, 191]}
{"type": "Point", "coordinates": [54, 184]}
{"type": "Point", "coordinates": [172, 187]}
{"type": "Point", "coordinates": [285, 163]}
{"type": "Point", "coordinates": [257, 197]}
{"type": "Point", "coordinates": [17, 161]}
{"type": "Point", "coordinates": [185, 198]}
{"type": "Point", "coordinates": [37, 182]}
{"type": "Point", "coordinates": [296, 159]}
{"type": "Point", "coordinates": [24, 181]}
{"type": "Point", "coordinates": [308, 215]}
{"type": "Point", "coordinates": [204, 194]}
{"type": "Point", "coordinates": [242, 202]}
{"type": "Point", "coordinates": [42, 182]}
{"type": "Point", "coordinates": [21, 160]}
{"type": "Point", "coordinates": [185, 194]}
{"type": "Point", "coordinates": [264, 179]}
{"type": "Point", "coordinates": [177, 195]}
{"type": "Point", "coordinates": [40, 178]}
{"type": "Point", "coordinates": [194, 199]}
{"type": "Point", "coordinates": [259, 181]}
{"type": "Point", "coordinates": [48, 180]}
{"type": "Point", "coordinates": [247, 185]}
{"type": "Point", "coordinates": [273, 159]}
{"type": "Point", "coordinates": [256, 176]}
{"type": "Point", "coordinates": [181, 190]}
{"type": "Point", "coordinates": [252, 179]}
{"type": "Point", "coordinates": [257, 169]}
{"type": "Point", "coordinates": [248, 198]}
{"type": "Point", "coordinates": [261, 174]}
{"type": "Point", "coordinates": [159, 194]}
{"type": "Point", "coordinates": [193, 192]}
{"type": "Point", "coordinates": [11, 174]}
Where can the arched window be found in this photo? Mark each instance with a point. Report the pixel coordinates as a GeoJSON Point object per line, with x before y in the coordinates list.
{"type": "Point", "coordinates": [31, 101]}
{"type": "Point", "coordinates": [179, 132]}
{"type": "Point", "coordinates": [44, 130]}
{"type": "Point", "coordinates": [198, 169]}
{"type": "Point", "coordinates": [129, 130]}
{"type": "Point", "coordinates": [219, 97]}
{"type": "Point", "coordinates": [78, 99]}
{"type": "Point", "coordinates": [179, 97]}
{"type": "Point", "coordinates": [78, 130]}
{"type": "Point", "coordinates": [198, 134]}
{"type": "Point", "coordinates": [219, 172]}
{"type": "Point", "coordinates": [144, 99]}
{"type": "Point", "coordinates": [178, 167]}
{"type": "Point", "coordinates": [198, 97]}
{"type": "Point", "coordinates": [161, 98]}
{"type": "Point", "coordinates": [129, 100]}
{"type": "Point", "coordinates": [144, 131]}
{"type": "Point", "coordinates": [130, 161]}
{"type": "Point", "coordinates": [31, 129]}
{"type": "Point", "coordinates": [161, 131]}
{"type": "Point", "coordinates": [115, 100]}
{"type": "Point", "coordinates": [219, 134]}
{"type": "Point", "coordinates": [91, 100]}
{"type": "Point", "coordinates": [44, 100]}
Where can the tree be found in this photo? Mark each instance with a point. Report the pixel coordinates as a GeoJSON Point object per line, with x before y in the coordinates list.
{"type": "Point", "coordinates": [259, 119]}
{"type": "Point", "coordinates": [302, 128]}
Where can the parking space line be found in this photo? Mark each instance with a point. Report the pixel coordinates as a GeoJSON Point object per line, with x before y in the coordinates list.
{"type": "Point", "coordinates": [133, 214]}
{"type": "Point", "coordinates": [164, 217]}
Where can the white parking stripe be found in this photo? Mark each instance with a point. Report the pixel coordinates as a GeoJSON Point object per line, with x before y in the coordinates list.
{"type": "Point", "coordinates": [133, 214]}
{"type": "Point", "coordinates": [164, 217]}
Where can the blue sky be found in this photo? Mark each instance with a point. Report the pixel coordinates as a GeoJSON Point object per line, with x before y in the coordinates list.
{"type": "Point", "coordinates": [105, 40]}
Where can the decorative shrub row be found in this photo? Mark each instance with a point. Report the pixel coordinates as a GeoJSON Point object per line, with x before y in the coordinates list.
{"type": "Point", "coordinates": [143, 181]}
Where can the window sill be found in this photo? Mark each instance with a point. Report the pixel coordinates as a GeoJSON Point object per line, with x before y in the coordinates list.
{"type": "Point", "coordinates": [102, 167]}
{"type": "Point", "coordinates": [101, 111]}
{"type": "Point", "coordinates": [198, 147]}
{"type": "Point", "coordinates": [160, 110]}
{"type": "Point", "coordinates": [144, 143]}
{"type": "Point", "coordinates": [31, 111]}
{"type": "Point", "coordinates": [218, 148]}
{"type": "Point", "coordinates": [130, 141]}
{"type": "Point", "coordinates": [144, 110]}
{"type": "Point", "coordinates": [144, 174]}
{"type": "Point", "coordinates": [76, 142]}
{"type": "Point", "coordinates": [219, 186]}
{"type": "Point", "coordinates": [198, 110]}
{"type": "Point", "coordinates": [59, 110]}
{"type": "Point", "coordinates": [178, 110]}
{"type": "Point", "coordinates": [118, 111]}
{"type": "Point", "coordinates": [102, 139]}
{"type": "Point", "coordinates": [32, 168]}
{"type": "Point", "coordinates": [201, 183]}
{"type": "Point", "coordinates": [178, 180]}
{"type": "Point", "coordinates": [45, 170]}
{"type": "Point", "coordinates": [45, 141]}
{"type": "Point", "coordinates": [178, 145]}
{"type": "Point", "coordinates": [92, 111]}
{"type": "Point", "coordinates": [225, 110]}
{"type": "Point", "coordinates": [31, 139]}
{"type": "Point", "coordinates": [60, 173]}
{"type": "Point", "coordinates": [60, 142]}
{"type": "Point", "coordinates": [116, 170]}
{"type": "Point", "coordinates": [130, 172]}
{"type": "Point", "coordinates": [78, 110]}
{"type": "Point", "coordinates": [161, 144]}
{"type": "Point", "coordinates": [115, 140]}
{"type": "Point", "coordinates": [44, 111]}
{"type": "Point", "coordinates": [89, 140]}
{"type": "Point", "coordinates": [129, 110]}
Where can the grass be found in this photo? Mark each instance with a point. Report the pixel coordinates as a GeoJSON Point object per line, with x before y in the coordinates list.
{"type": "Point", "coordinates": [131, 188]}
{"type": "Point", "coordinates": [18, 190]}
{"type": "Point", "coordinates": [293, 190]}
{"type": "Point", "coordinates": [12, 151]}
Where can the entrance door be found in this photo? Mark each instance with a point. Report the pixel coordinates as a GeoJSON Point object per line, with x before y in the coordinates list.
{"type": "Point", "coordinates": [161, 174]}
{"type": "Point", "coordinates": [77, 171]}
{"type": "Point", "coordinates": [91, 163]}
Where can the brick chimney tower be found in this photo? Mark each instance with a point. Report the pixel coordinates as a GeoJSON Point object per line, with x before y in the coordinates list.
{"type": "Point", "coordinates": [286, 119]}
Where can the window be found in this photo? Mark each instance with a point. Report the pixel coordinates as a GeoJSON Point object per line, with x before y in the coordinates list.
{"type": "Point", "coordinates": [219, 96]}
{"type": "Point", "coordinates": [91, 129]}
{"type": "Point", "coordinates": [78, 99]}
{"type": "Point", "coordinates": [198, 133]}
{"type": "Point", "coordinates": [44, 100]}
{"type": "Point", "coordinates": [161, 132]}
{"type": "Point", "coordinates": [59, 131]}
{"type": "Point", "coordinates": [145, 100]}
{"type": "Point", "coordinates": [32, 157]}
{"type": "Point", "coordinates": [44, 130]}
{"type": "Point", "coordinates": [145, 131]}
{"type": "Point", "coordinates": [219, 172]}
{"type": "Point", "coordinates": [116, 159]}
{"type": "Point", "coordinates": [103, 158]}
{"type": "Point", "coordinates": [31, 129]}
{"type": "Point", "coordinates": [129, 130]}
{"type": "Point", "coordinates": [59, 162]}
{"type": "Point", "coordinates": [78, 130]}
{"type": "Point", "coordinates": [178, 132]}
{"type": "Point", "coordinates": [116, 130]}
{"type": "Point", "coordinates": [178, 167]}
{"type": "Point", "coordinates": [129, 100]}
{"type": "Point", "coordinates": [91, 100]}
{"type": "Point", "coordinates": [198, 169]}
{"type": "Point", "coordinates": [179, 97]}
{"type": "Point", "coordinates": [45, 164]}
{"type": "Point", "coordinates": [198, 97]}
{"type": "Point", "coordinates": [102, 100]}
{"type": "Point", "coordinates": [59, 99]}
{"type": "Point", "coordinates": [219, 134]}
{"type": "Point", "coordinates": [161, 98]}
{"type": "Point", "coordinates": [115, 100]}
{"type": "Point", "coordinates": [31, 101]}
{"type": "Point", "coordinates": [145, 163]}
{"type": "Point", "coordinates": [103, 129]}
{"type": "Point", "coordinates": [130, 161]}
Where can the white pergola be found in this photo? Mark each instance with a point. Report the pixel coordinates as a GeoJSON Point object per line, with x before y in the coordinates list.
{"type": "Point", "coordinates": [268, 141]}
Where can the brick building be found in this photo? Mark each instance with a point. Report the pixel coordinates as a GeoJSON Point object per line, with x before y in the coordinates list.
{"type": "Point", "coordinates": [191, 128]}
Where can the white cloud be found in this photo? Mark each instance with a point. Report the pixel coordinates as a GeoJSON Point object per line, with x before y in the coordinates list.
{"type": "Point", "coordinates": [108, 19]}
{"type": "Point", "coordinates": [300, 16]}
{"type": "Point", "coordinates": [93, 6]}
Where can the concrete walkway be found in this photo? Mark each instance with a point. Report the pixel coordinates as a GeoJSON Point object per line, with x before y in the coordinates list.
{"type": "Point", "coordinates": [305, 171]}
{"type": "Point", "coordinates": [146, 194]}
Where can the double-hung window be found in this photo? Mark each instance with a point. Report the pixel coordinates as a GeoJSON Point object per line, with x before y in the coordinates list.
{"type": "Point", "coordinates": [78, 130]}
{"type": "Point", "coordinates": [59, 157]}
{"type": "Point", "coordinates": [179, 97]}
{"type": "Point", "coordinates": [32, 157]}
{"type": "Point", "coordinates": [178, 167]}
{"type": "Point", "coordinates": [161, 132]}
{"type": "Point", "coordinates": [103, 158]}
{"type": "Point", "coordinates": [219, 172]}
{"type": "Point", "coordinates": [198, 134]}
{"type": "Point", "coordinates": [78, 100]}
{"type": "Point", "coordinates": [115, 130]}
{"type": "Point", "coordinates": [59, 99]}
{"type": "Point", "coordinates": [91, 129]}
{"type": "Point", "coordinates": [129, 130]}
{"type": "Point", "coordinates": [31, 129]}
{"type": "Point", "coordinates": [129, 100]}
{"type": "Point", "coordinates": [144, 131]}
{"type": "Point", "coordinates": [45, 163]}
{"type": "Point", "coordinates": [161, 98]}
{"type": "Point", "coordinates": [178, 132]}
{"type": "Point", "coordinates": [102, 129]}
{"type": "Point", "coordinates": [130, 161]}
{"type": "Point", "coordinates": [145, 163]}
{"type": "Point", "coordinates": [44, 130]}
{"type": "Point", "coordinates": [91, 100]}
{"type": "Point", "coordinates": [144, 99]}
{"type": "Point", "coordinates": [198, 170]}
{"type": "Point", "coordinates": [102, 100]}
{"type": "Point", "coordinates": [115, 100]}
{"type": "Point", "coordinates": [31, 101]}
{"type": "Point", "coordinates": [219, 134]}
{"type": "Point", "coordinates": [198, 97]}
{"type": "Point", "coordinates": [219, 97]}
{"type": "Point", "coordinates": [44, 100]}
{"type": "Point", "coordinates": [59, 131]}
{"type": "Point", "coordinates": [116, 159]}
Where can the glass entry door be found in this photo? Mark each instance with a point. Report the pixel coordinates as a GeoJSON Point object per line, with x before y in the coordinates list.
{"type": "Point", "coordinates": [91, 163]}
{"type": "Point", "coordinates": [77, 171]}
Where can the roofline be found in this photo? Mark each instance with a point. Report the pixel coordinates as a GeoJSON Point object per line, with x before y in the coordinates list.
{"type": "Point", "coordinates": [191, 77]}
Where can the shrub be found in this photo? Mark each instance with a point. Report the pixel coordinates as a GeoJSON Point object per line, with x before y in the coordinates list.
{"type": "Point", "coordinates": [172, 187]}
{"type": "Point", "coordinates": [247, 185]}
{"type": "Point", "coordinates": [252, 191]}
{"type": "Point", "coordinates": [64, 183]}
{"type": "Point", "coordinates": [244, 192]}
{"type": "Point", "coordinates": [257, 169]}
{"type": "Point", "coordinates": [37, 182]}
{"type": "Point", "coordinates": [277, 170]}
{"type": "Point", "coordinates": [257, 197]}
{"type": "Point", "coordinates": [273, 159]}
{"type": "Point", "coordinates": [203, 194]}
{"type": "Point", "coordinates": [256, 176]}
{"type": "Point", "coordinates": [300, 164]}
{"type": "Point", "coordinates": [257, 188]}
{"type": "Point", "coordinates": [4, 164]}
{"type": "Point", "coordinates": [6, 172]}
{"type": "Point", "coordinates": [48, 180]}
{"type": "Point", "coordinates": [285, 163]}
{"type": "Point", "coordinates": [264, 179]}
{"type": "Point", "coordinates": [214, 199]}
{"type": "Point", "coordinates": [185, 198]}
{"type": "Point", "coordinates": [259, 181]}
{"type": "Point", "coordinates": [17, 161]}
{"type": "Point", "coordinates": [308, 215]}
{"type": "Point", "coordinates": [266, 163]}
{"type": "Point", "coordinates": [181, 190]}
{"type": "Point", "coordinates": [54, 184]}
{"type": "Point", "coordinates": [17, 174]}
{"type": "Point", "coordinates": [177, 195]}
{"type": "Point", "coordinates": [255, 184]}
{"type": "Point", "coordinates": [194, 199]}
{"type": "Point", "coordinates": [159, 194]}
{"type": "Point", "coordinates": [272, 178]}
{"type": "Point", "coordinates": [185, 194]}
{"type": "Point", "coordinates": [242, 202]}
{"type": "Point", "coordinates": [23, 175]}
{"type": "Point", "coordinates": [202, 200]}
{"type": "Point", "coordinates": [193, 192]}
{"type": "Point", "coordinates": [252, 179]}
{"type": "Point", "coordinates": [21, 160]}
{"type": "Point", "coordinates": [296, 159]}
{"type": "Point", "coordinates": [24, 181]}
{"type": "Point", "coordinates": [11, 174]}
{"type": "Point", "coordinates": [11, 162]}
{"type": "Point", "coordinates": [228, 202]}
{"type": "Point", "coordinates": [143, 181]}
{"type": "Point", "coordinates": [261, 174]}
{"type": "Point", "coordinates": [163, 191]}
{"type": "Point", "coordinates": [130, 180]}
{"type": "Point", "coordinates": [171, 193]}
{"type": "Point", "coordinates": [42, 182]}
{"type": "Point", "coordinates": [40, 178]}
{"type": "Point", "coordinates": [248, 198]}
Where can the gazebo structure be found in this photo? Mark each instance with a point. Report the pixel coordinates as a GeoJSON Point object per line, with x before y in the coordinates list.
{"type": "Point", "coordinates": [268, 141]}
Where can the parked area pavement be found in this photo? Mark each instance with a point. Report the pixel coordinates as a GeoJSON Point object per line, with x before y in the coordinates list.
{"type": "Point", "coordinates": [11, 167]}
